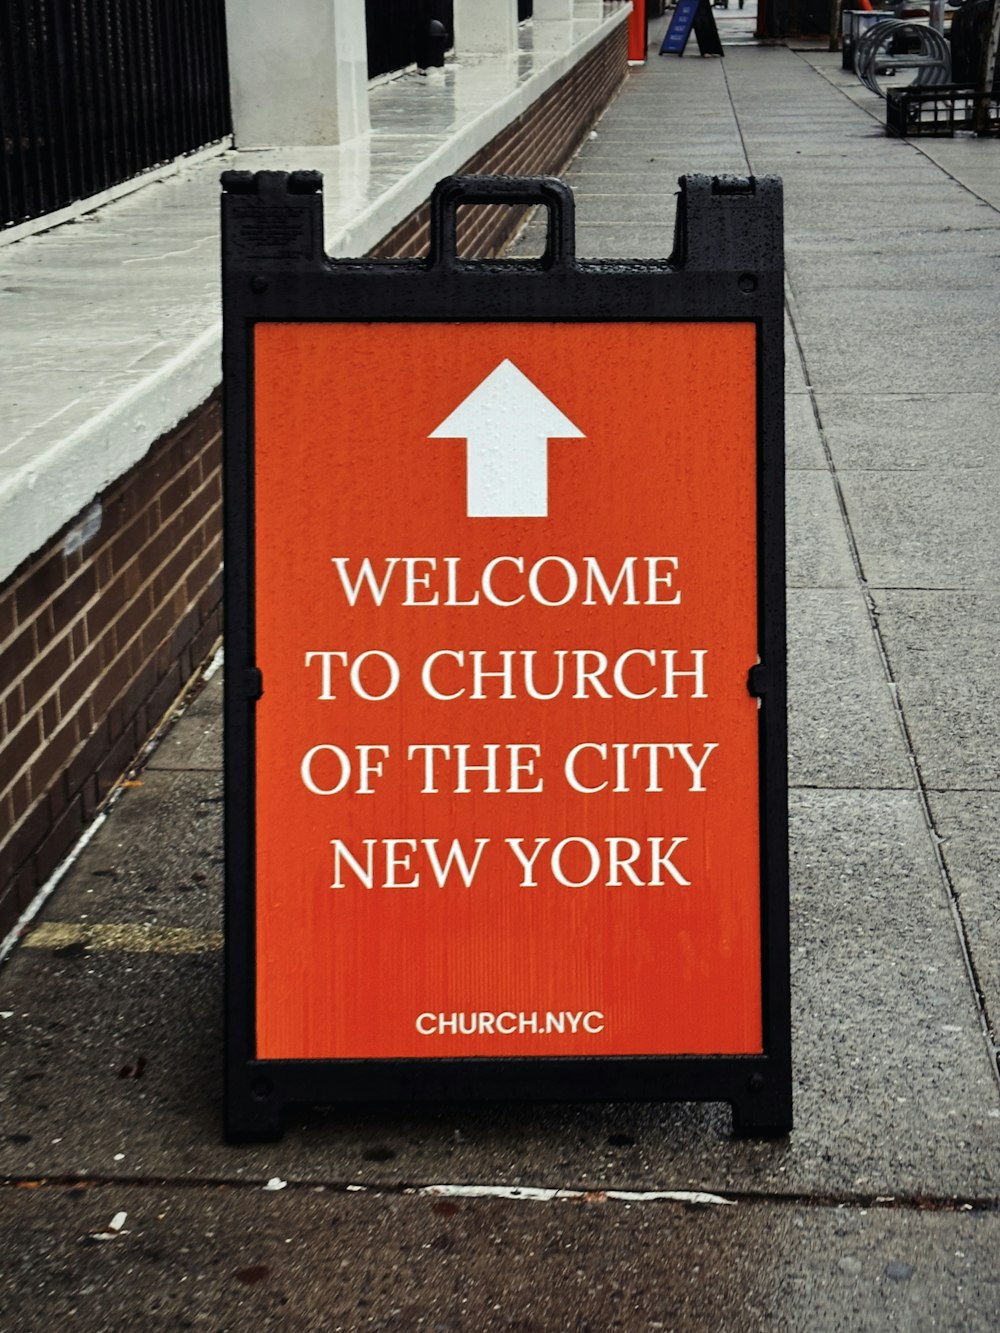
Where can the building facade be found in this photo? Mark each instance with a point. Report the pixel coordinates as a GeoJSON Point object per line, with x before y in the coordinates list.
{"type": "Point", "coordinates": [116, 120]}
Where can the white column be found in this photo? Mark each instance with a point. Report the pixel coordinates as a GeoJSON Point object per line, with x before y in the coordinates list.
{"type": "Point", "coordinates": [485, 27]}
{"type": "Point", "coordinates": [545, 10]}
{"type": "Point", "coordinates": [298, 71]}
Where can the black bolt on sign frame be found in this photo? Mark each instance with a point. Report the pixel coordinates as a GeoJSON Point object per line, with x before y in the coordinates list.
{"type": "Point", "coordinates": [298, 327]}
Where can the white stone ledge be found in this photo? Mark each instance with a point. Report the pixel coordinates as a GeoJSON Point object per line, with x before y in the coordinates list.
{"type": "Point", "coordinates": [111, 321]}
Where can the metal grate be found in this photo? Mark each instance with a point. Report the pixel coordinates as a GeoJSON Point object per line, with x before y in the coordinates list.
{"type": "Point", "coordinates": [93, 92]}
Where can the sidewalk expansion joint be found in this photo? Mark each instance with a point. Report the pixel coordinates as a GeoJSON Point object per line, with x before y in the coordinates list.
{"type": "Point", "coordinates": [833, 786]}
{"type": "Point", "coordinates": [935, 839]}
{"type": "Point", "coordinates": [693, 1199]}
{"type": "Point", "coordinates": [736, 119]}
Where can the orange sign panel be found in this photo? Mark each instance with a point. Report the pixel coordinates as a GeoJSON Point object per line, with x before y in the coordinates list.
{"type": "Point", "coordinates": [506, 758]}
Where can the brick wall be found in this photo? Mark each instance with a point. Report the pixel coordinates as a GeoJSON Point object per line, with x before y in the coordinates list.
{"type": "Point", "coordinates": [100, 631]}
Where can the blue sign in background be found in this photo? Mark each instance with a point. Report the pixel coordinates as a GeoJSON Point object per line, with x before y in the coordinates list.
{"type": "Point", "coordinates": [680, 28]}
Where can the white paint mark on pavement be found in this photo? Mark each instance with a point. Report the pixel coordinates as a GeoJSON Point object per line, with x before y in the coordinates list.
{"type": "Point", "coordinates": [114, 1230]}
{"type": "Point", "coordinates": [535, 1195]}
{"type": "Point", "coordinates": [47, 889]}
{"type": "Point", "coordinates": [123, 938]}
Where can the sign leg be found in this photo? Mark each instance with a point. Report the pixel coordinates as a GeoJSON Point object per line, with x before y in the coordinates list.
{"type": "Point", "coordinates": [253, 1118]}
{"type": "Point", "coordinates": [762, 1113]}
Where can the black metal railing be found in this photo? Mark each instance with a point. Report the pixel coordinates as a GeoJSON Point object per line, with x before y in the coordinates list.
{"type": "Point", "coordinates": [93, 92]}
{"type": "Point", "coordinates": [399, 33]}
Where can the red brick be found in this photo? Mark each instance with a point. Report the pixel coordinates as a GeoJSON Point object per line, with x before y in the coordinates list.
{"type": "Point", "coordinates": [141, 686]}
{"type": "Point", "coordinates": [203, 643]}
{"type": "Point", "coordinates": [8, 618]}
{"type": "Point", "coordinates": [107, 650]}
{"type": "Point", "coordinates": [76, 684]}
{"type": "Point", "coordinates": [86, 760]}
{"type": "Point", "coordinates": [173, 496]}
{"type": "Point", "coordinates": [212, 530]}
{"type": "Point", "coordinates": [156, 706]}
{"type": "Point", "coordinates": [156, 630]}
{"type": "Point", "coordinates": [13, 709]}
{"type": "Point", "coordinates": [58, 842]}
{"type": "Point", "coordinates": [90, 797]}
{"type": "Point", "coordinates": [17, 747]}
{"type": "Point", "coordinates": [41, 581]}
{"type": "Point", "coordinates": [111, 685]}
{"type": "Point", "coordinates": [178, 602]}
{"type": "Point", "coordinates": [24, 841]}
{"type": "Point", "coordinates": [116, 761]}
{"type": "Point", "coordinates": [50, 716]}
{"type": "Point", "coordinates": [9, 908]}
{"type": "Point", "coordinates": [48, 668]}
{"type": "Point", "coordinates": [26, 886]}
{"type": "Point", "coordinates": [51, 761]}
{"type": "Point", "coordinates": [20, 799]}
{"type": "Point", "coordinates": [132, 619]}
{"type": "Point", "coordinates": [183, 631]}
{"type": "Point", "coordinates": [67, 605]}
{"type": "Point", "coordinates": [82, 719]}
{"type": "Point", "coordinates": [203, 502]}
{"type": "Point", "coordinates": [17, 655]}
{"type": "Point", "coordinates": [176, 467]}
{"type": "Point", "coordinates": [174, 571]}
{"type": "Point", "coordinates": [134, 494]}
{"type": "Point", "coordinates": [163, 655]}
{"type": "Point", "coordinates": [214, 475]}
{"type": "Point", "coordinates": [130, 541]}
{"type": "Point", "coordinates": [160, 548]}
{"type": "Point", "coordinates": [135, 658]}
{"type": "Point", "coordinates": [75, 560]}
{"type": "Point", "coordinates": [108, 605]}
{"type": "Point", "coordinates": [203, 572]}
{"type": "Point", "coordinates": [210, 601]}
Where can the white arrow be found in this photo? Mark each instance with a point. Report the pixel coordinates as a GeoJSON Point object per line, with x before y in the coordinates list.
{"type": "Point", "coordinates": [507, 423]}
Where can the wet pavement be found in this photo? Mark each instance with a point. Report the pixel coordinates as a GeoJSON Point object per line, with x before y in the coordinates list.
{"type": "Point", "coordinates": [880, 1211]}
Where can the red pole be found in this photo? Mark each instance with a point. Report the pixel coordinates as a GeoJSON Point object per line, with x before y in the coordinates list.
{"type": "Point", "coordinates": [637, 31]}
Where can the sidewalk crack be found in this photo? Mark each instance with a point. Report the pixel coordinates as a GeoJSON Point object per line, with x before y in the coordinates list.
{"type": "Point", "coordinates": [936, 841]}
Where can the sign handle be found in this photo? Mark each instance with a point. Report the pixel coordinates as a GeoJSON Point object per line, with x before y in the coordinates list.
{"type": "Point", "coordinates": [560, 243]}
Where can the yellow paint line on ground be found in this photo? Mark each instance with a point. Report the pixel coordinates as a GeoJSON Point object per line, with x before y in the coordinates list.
{"type": "Point", "coordinates": [105, 938]}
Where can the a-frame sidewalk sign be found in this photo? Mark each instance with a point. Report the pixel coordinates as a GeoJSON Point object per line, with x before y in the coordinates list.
{"type": "Point", "coordinates": [506, 794]}
{"type": "Point", "coordinates": [696, 14]}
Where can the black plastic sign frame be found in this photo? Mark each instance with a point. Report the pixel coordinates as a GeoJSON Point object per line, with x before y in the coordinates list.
{"type": "Point", "coordinates": [726, 266]}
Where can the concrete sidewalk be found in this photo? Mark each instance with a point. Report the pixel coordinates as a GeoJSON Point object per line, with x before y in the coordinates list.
{"type": "Point", "coordinates": [880, 1211]}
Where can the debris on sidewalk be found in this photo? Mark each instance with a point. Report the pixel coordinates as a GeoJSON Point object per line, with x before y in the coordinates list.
{"type": "Point", "coordinates": [114, 1231]}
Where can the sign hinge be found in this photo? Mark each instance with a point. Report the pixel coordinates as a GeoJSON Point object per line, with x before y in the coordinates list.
{"type": "Point", "coordinates": [253, 683]}
{"type": "Point", "coordinates": [757, 680]}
